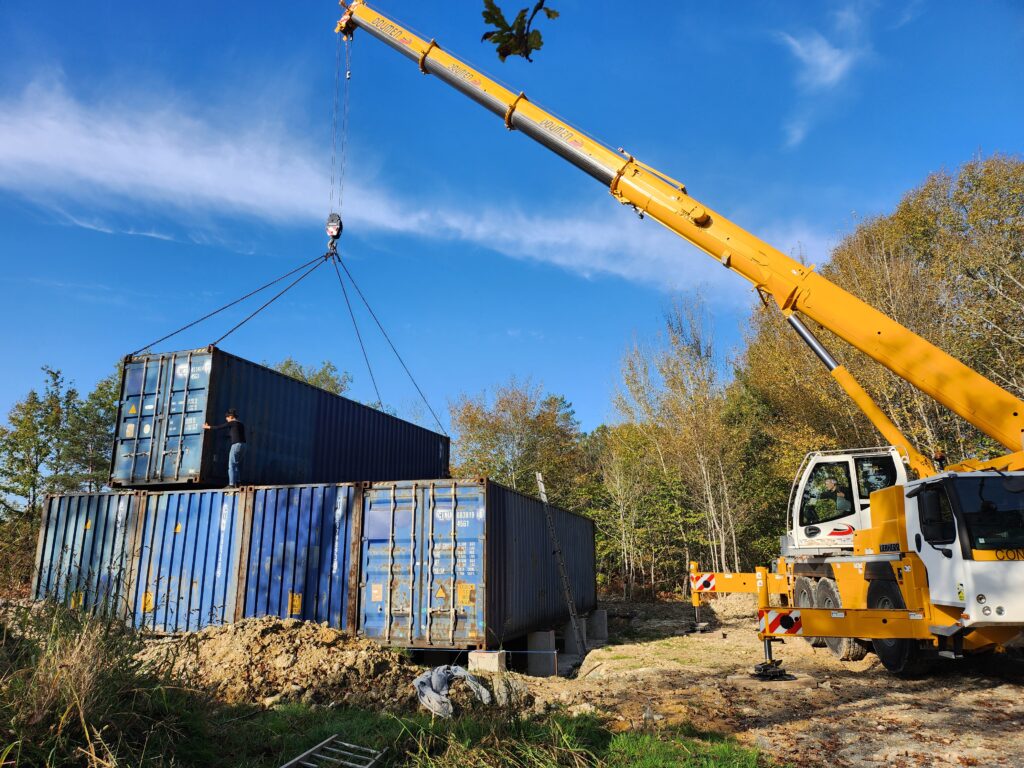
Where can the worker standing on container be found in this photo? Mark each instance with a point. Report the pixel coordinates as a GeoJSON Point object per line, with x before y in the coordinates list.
{"type": "Point", "coordinates": [237, 453]}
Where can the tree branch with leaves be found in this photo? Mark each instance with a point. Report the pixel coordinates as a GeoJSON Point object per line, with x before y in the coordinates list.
{"type": "Point", "coordinates": [518, 38]}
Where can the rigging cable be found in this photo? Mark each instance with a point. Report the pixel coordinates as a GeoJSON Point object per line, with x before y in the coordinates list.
{"type": "Point", "coordinates": [359, 336]}
{"type": "Point", "coordinates": [338, 164]}
{"type": "Point", "coordinates": [393, 349]}
{"type": "Point", "coordinates": [319, 259]}
{"type": "Point", "coordinates": [226, 306]}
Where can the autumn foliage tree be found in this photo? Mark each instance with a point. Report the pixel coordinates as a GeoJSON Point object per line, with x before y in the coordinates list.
{"type": "Point", "coordinates": [516, 432]}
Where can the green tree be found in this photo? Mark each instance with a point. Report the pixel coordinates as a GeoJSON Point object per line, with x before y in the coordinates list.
{"type": "Point", "coordinates": [34, 447]}
{"type": "Point", "coordinates": [326, 376]}
{"type": "Point", "coordinates": [519, 432]}
{"type": "Point", "coordinates": [91, 434]}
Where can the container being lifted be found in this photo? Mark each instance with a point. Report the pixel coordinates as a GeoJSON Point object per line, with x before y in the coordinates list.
{"type": "Point", "coordinates": [296, 433]}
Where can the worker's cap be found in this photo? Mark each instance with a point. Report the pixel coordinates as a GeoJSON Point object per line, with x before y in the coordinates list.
{"type": "Point", "coordinates": [232, 413]}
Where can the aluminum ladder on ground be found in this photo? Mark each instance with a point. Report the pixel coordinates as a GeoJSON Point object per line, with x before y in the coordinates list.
{"type": "Point", "coordinates": [581, 641]}
{"type": "Point", "coordinates": [335, 753]}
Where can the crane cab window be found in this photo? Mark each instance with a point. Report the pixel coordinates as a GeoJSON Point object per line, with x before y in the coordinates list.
{"type": "Point", "coordinates": [827, 495]}
{"type": "Point", "coordinates": [993, 509]}
{"type": "Point", "coordinates": [873, 474]}
{"type": "Point", "coordinates": [935, 516]}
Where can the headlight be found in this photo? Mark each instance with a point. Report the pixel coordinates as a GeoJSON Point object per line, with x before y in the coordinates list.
{"type": "Point", "coordinates": [999, 610]}
{"type": "Point", "coordinates": [981, 599]}
{"type": "Point", "coordinates": [987, 610]}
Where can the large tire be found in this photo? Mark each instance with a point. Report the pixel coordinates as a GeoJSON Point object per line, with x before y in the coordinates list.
{"type": "Point", "coordinates": [903, 658]}
{"type": "Point", "coordinates": [803, 597]}
{"type": "Point", "coordinates": [826, 595]}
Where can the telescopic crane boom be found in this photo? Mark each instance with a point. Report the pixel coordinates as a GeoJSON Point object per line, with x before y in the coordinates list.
{"type": "Point", "coordinates": [796, 289]}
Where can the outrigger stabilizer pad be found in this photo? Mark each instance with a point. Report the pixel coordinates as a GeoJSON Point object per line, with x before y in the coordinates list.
{"type": "Point", "coordinates": [770, 669]}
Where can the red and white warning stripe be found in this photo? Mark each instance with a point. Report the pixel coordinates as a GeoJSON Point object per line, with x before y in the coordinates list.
{"type": "Point", "coordinates": [702, 582]}
{"type": "Point", "coordinates": [779, 623]}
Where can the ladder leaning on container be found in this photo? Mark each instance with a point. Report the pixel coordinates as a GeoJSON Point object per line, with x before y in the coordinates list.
{"type": "Point", "coordinates": [581, 640]}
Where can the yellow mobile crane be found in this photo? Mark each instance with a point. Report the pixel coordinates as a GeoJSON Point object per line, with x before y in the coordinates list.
{"type": "Point", "coordinates": [915, 560]}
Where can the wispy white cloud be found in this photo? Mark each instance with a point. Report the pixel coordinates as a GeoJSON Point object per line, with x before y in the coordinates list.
{"type": "Point", "coordinates": [99, 225]}
{"type": "Point", "coordinates": [911, 10]}
{"type": "Point", "coordinates": [826, 63]}
{"type": "Point", "coordinates": [823, 65]}
{"type": "Point", "coordinates": [165, 163]}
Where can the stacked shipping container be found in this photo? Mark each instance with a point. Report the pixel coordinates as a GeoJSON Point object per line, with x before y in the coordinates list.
{"type": "Point", "coordinates": [435, 564]}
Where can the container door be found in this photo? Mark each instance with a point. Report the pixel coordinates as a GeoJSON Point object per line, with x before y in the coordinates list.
{"type": "Point", "coordinates": [135, 445]}
{"type": "Point", "coordinates": [452, 575]}
{"type": "Point", "coordinates": [389, 564]}
{"type": "Point", "coordinates": [163, 406]}
{"type": "Point", "coordinates": [299, 553]}
{"type": "Point", "coordinates": [188, 562]}
{"type": "Point", "coordinates": [182, 424]}
{"type": "Point", "coordinates": [84, 550]}
{"type": "Point", "coordinates": [423, 565]}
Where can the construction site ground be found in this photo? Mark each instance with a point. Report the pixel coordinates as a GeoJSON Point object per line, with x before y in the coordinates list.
{"type": "Point", "coordinates": [654, 674]}
{"type": "Point", "coordinates": [964, 713]}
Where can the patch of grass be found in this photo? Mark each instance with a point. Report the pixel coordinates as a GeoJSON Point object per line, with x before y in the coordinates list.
{"type": "Point", "coordinates": [647, 750]}
{"type": "Point", "coordinates": [268, 739]}
{"type": "Point", "coordinates": [72, 693]}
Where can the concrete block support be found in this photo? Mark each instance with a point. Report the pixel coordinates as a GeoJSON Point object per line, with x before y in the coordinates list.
{"type": "Point", "coordinates": [488, 661]}
{"type": "Point", "coordinates": [597, 626]}
{"type": "Point", "coordinates": [541, 661]}
{"type": "Point", "coordinates": [570, 637]}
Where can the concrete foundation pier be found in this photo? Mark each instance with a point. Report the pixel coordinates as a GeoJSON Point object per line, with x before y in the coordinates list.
{"type": "Point", "coordinates": [542, 659]}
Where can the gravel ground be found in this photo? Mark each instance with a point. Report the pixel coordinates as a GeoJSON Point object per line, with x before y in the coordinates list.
{"type": "Point", "coordinates": [964, 713]}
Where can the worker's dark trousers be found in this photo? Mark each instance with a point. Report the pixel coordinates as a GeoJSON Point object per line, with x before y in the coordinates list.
{"type": "Point", "coordinates": [235, 458]}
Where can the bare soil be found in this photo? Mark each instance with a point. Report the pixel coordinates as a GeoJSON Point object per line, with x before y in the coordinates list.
{"type": "Point", "coordinates": [270, 660]}
{"type": "Point", "coordinates": [965, 713]}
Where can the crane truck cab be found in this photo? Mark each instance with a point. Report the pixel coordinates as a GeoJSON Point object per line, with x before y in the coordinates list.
{"type": "Point", "coordinates": [830, 499]}
{"type": "Point", "coordinates": [968, 530]}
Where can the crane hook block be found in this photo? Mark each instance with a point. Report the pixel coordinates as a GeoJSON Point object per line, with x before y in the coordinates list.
{"type": "Point", "coordinates": [334, 226]}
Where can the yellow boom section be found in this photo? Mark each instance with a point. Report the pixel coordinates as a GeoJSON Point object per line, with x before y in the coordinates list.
{"type": "Point", "coordinates": [794, 287]}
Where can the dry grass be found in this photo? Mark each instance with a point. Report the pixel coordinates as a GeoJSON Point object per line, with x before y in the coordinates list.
{"type": "Point", "coordinates": [73, 693]}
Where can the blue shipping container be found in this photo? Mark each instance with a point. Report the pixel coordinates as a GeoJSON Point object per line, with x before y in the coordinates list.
{"type": "Point", "coordinates": [296, 433]}
{"type": "Point", "coordinates": [462, 564]}
{"type": "Point", "coordinates": [298, 552]}
{"type": "Point", "coordinates": [84, 550]}
{"type": "Point", "coordinates": [188, 559]}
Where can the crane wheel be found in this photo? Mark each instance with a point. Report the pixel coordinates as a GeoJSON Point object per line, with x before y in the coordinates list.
{"type": "Point", "coordinates": [803, 597]}
{"type": "Point", "coordinates": [900, 657]}
{"type": "Point", "coordinates": [826, 595]}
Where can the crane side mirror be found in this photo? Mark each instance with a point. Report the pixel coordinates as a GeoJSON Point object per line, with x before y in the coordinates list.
{"type": "Point", "coordinates": [1013, 483]}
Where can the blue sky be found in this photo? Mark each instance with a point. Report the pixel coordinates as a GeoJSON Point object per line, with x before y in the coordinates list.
{"type": "Point", "coordinates": [158, 161]}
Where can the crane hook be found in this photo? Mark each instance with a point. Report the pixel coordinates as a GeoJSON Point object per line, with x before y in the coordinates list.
{"type": "Point", "coordinates": [333, 228]}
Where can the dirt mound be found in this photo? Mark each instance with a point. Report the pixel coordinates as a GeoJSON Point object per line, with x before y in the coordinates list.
{"type": "Point", "coordinates": [269, 660]}
{"type": "Point", "coordinates": [651, 619]}
{"type": "Point", "coordinates": [731, 608]}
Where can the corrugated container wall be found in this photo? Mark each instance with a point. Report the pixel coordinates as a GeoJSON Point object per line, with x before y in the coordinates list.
{"type": "Point", "coordinates": [297, 553]}
{"type": "Point", "coordinates": [84, 551]}
{"type": "Point", "coordinates": [296, 433]}
{"type": "Point", "coordinates": [459, 564]}
{"type": "Point", "coordinates": [188, 560]}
